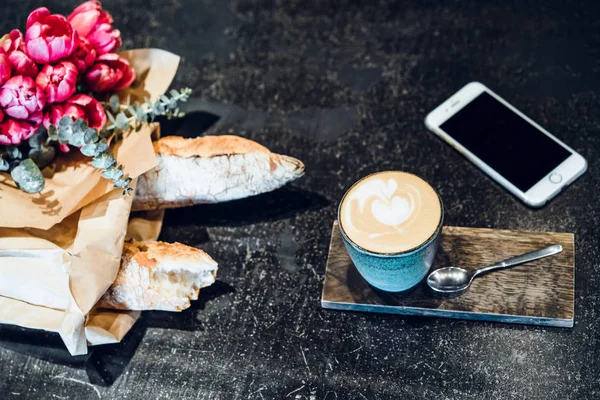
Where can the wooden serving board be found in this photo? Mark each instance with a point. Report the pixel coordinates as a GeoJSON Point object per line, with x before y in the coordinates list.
{"type": "Point", "coordinates": [538, 293]}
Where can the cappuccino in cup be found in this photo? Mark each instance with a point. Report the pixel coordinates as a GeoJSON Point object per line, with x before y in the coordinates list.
{"type": "Point", "coordinates": [390, 222]}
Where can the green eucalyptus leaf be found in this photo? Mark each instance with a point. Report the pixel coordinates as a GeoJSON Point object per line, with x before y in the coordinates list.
{"type": "Point", "coordinates": [95, 149]}
{"type": "Point", "coordinates": [38, 139]}
{"type": "Point", "coordinates": [53, 133]}
{"type": "Point", "coordinates": [99, 162]}
{"type": "Point", "coordinates": [110, 117]}
{"type": "Point", "coordinates": [4, 166]}
{"type": "Point", "coordinates": [113, 174]}
{"type": "Point", "coordinates": [13, 153]}
{"type": "Point", "coordinates": [108, 174]}
{"type": "Point", "coordinates": [80, 125]}
{"type": "Point", "coordinates": [77, 139]}
{"type": "Point", "coordinates": [65, 129]}
{"type": "Point", "coordinates": [110, 161]}
{"type": "Point", "coordinates": [79, 128]}
{"type": "Point", "coordinates": [158, 109]}
{"type": "Point", "coordinates": [101, 148]}
{"type": "Point", "coordinates": [122, 121]}
{"type": "Point", "coordinates": [42, 156]}
{"type": "Point", "coordinates": [104, 162]}
{"type": "Point", "coordinates": [114, 103]}
{"type": "Point", "coordinates": [28, 176]}
{"type": "Point", "coordinates": [122, 182]}
{"type": "Point", "coordinates": [141, 115]}
{"type": "Point", "coordinates": [89, 150]}
{"type": "Point", "coordinates": [12, 164]}
{"type": "Point", "coordinates": [90, 136]}
{"type": "Point", "coordinates": [65, 121]}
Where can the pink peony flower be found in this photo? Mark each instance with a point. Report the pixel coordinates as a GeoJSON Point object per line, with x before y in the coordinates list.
{"type": "Point", "coordinates": [54, 112]}
{"type": "Point", "coordinates": [109, 72]}
{"type": "Point", "coordinates": [49, 37]}
{"type": "Point", "coordinates": [58, 81]}
{"type": "Point", "coordinates": [78, 106]}
{"type": "Point", "coordinates": [14, 131]}
{"type": "Point", "coordinates": [14, 45]}
{"type": "Point", "coordinates": [21, 98]}
{"type": "Point", "coordinates": [95, 24]}
{"type": "Point", "coordinates": [5, 66]}
{"type": "Point", "coordinates": [13, 41]}
{"type": "Point", "coordinates": [23, 64]}
{"type": "Point", "coordinates": [84, 54]}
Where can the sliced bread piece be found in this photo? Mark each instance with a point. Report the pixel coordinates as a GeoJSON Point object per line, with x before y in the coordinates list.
{"type": "Point", "coordinates": [159, 276]}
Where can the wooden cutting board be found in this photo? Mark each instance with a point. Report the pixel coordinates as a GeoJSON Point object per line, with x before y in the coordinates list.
{"type": "Point", "coordinates": [538, 293]}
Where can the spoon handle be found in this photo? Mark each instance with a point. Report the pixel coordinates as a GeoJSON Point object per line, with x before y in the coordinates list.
{"type": "Point", "coordinates": [523, 258]}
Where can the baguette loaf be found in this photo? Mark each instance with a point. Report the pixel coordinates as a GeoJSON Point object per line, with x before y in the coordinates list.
{"type": "Point", "coordinates": [159, 276]}
{"type": "Point", "coordinates": [211, 169]}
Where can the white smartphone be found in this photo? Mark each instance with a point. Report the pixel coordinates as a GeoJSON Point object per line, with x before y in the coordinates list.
{"type": "Point", "coordinates": [507, 145]}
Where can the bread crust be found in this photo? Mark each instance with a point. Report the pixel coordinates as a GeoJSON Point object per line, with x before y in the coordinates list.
{"type": "Point", "coordinates": [207, 146]}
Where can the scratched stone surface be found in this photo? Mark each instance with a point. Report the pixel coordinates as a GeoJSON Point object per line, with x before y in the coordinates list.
{"type": "Point", "coordinates": [344, 86]}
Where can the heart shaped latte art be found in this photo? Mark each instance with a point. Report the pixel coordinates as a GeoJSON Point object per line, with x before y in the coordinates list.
{"type": "Point", "coordinates": [392, 212]}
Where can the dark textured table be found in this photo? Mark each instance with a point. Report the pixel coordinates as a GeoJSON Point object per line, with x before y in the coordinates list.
{"type": "Point", "coordinates": [344, 86]}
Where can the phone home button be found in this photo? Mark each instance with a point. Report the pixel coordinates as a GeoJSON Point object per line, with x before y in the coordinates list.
{"type": "Point", "coordinates": [555, 178]}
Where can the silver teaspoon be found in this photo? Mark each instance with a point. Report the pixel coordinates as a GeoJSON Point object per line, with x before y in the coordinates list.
{"type": "Point", "coordinates": [458, 280]}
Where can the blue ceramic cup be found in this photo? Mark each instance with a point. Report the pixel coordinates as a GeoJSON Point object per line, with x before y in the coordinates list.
{"type": "Point", "coordinates": [395, 271]}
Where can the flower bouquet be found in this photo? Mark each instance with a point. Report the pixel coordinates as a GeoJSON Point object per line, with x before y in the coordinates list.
{"type": "Point", "coordinates": [76, 131]}
{"type": "Point", "coordinates": [76, 122]}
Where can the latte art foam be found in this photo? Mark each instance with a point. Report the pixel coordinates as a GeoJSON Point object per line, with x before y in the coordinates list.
{"type": "Point", "coordinates": [390, 212]}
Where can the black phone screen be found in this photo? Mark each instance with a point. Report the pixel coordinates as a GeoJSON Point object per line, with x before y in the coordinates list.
{"type": "Point", "coordinates": [506, 142]}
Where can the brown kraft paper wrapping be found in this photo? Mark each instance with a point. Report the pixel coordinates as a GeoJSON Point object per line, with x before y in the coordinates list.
{"type": "Point", "coordinates": [61, 249]}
